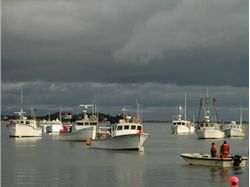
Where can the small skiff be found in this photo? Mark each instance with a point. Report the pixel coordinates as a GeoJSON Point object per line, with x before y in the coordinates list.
{"type": "Point", "coordinates": [207, 160]}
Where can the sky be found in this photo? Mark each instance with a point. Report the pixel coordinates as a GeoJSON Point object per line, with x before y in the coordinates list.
{"type": "Point", "coordinates": [64, 53]}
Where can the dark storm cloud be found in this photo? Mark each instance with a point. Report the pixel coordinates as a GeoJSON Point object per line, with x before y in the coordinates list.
{"type": "Point", "coordinates": [65, 53]}
{"type": "Point", "coordinates": [117, 41]}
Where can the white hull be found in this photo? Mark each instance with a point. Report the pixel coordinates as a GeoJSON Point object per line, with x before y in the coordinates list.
{"type": "Point", "coordinates": [125, 142]}
{"type": "Point", "coordinates": [206, 160]}
{"type": "Point", "coordinates": [24, 130]}
{"type": "Point", "coordinates": [233, 132]}
{"type": "Point", "coordinates": [54, 128]}
{"type": "Point", "coordinates": [79, 135]}
{"type": "Point", "coordinates": [209, 133]}
{"type": "Point", "coordinates": [182, 129]}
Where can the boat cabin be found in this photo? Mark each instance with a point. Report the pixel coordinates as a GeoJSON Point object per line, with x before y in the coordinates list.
{"type": "Point", "coordinates": [25, 122]}
{"type": "Point", "coordinates": [179, 123]}
{"type": "Point", "coordinates": [234, 125]}
{"type": "Point", "coordinates": [86, 123]}
{"type": "Point", "coordinates": [206, 125]}
{"type": "Point", "coordinates": [89, 121]}
{"type": "Point", "coordinates": [126, 128]}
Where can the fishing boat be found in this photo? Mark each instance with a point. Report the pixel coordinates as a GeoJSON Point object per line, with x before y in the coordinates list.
{"type": "Point", "coordinates": [207, 160]}
{"type": "Point", "coordinates": [23, 127]}
{"type": "Point", "coordinates": [127, 134]}
{"type": "Point", "coordinates": [69, 133]}
{"type": "Point", "coordinates": [83, 129]}
{"type": "Point", "coordinates": [235, 130]}
{"type": "Point", "coordinates": [180, 126]}
{"type": "Point", "coordinates": [54, 126]}
{"type": "Point", "coordinates": [208, 126]}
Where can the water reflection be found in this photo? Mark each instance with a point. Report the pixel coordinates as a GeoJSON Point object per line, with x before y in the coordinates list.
{"type": "Point", "coordinates": [237, 171]}
{"type": "Point", "coordinates": [32, 141]}
{"type": "Point", "coordinates": [224, 174]}
{"type": "Point", "coordinates": [25, 177]}
{"type": "Point", "coordinates": [132, 171]}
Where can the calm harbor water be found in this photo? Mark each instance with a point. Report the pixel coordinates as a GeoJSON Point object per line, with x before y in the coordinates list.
{"type": "Point", "coordinates": [47, 162]}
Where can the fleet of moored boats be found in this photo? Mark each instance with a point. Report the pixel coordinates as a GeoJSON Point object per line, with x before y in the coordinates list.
{"type": "Point", "coordinates": [208, 125]}
{"type": "Point", "coordinates": [128, 133]}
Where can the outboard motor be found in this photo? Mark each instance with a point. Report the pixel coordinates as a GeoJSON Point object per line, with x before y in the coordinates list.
{"type": "Point", "coordinates": [237, 160]}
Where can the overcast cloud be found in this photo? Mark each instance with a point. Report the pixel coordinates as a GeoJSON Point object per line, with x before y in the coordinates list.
{"type": "Point", "coordinates": [64, 53]}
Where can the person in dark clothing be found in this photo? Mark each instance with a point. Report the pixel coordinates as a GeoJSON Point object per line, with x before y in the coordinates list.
{"type": "Point", "coordinates": [213, 150]}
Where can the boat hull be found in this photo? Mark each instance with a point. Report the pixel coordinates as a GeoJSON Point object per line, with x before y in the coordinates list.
{"type": "Point", "coordinates": [209, 134]}
{"type": "Point", "coordinates": [234, 133]}
{"type": "Point", "coordinates": [122, 142]}
{"type": "Point", "coordinates": [54, 128]}
{"type": "Point", "coordinates": [207, 160]}
{"type": "Point", "coordinates": [182, 129]}
{"type": "Point", "coordinates": [79, 135]}
{"type": "Point", "coordinates": [21, 130]}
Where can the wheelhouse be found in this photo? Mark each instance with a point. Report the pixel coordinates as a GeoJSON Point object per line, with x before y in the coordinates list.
{"type": "Point", "coordinates": [126, 128]}
{"type": "Point", "coordinates": [25, 122]}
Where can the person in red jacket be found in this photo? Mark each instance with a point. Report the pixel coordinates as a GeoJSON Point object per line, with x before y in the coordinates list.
{"type": "Point", "coordinates": [224, 150]}
{"type": "Point", "coordinates": [213, 150]}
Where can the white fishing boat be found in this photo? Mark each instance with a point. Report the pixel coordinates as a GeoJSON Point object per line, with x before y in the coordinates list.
{"type": "Point", "coordinates": [235, 130]}
{"type": "Point", "coordinates": [23, 127]}
{"type": "Point", "coordinates": [82, 129]}
{"type": "Point", "coordinates": [43, 124]}
{"type": "Point", "coordinates": [207, 160]}
{"type": "Point", "coordinates": [182, 126]}
{"type": "Point", "coordinates": [54, 126]}
{"type": "Point", "coordinates": [71, 134]}
{"type": "Point", "coordinates": [127, 134]}
{"type": "Point", "coordinates": [208, 127]}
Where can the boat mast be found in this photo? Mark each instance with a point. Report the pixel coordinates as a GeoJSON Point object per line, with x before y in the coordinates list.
{"type": "Point", "coordinates": [21, 111]}
{"type": "Point", "coordinates": [124, 110]}
{"type": "Point", "coordinates": [60, 114]}
{"type": "Point", "coordinates": [185, 108]}
{"type": "Point", "coordinates": [138, 111]}
{"type": "Point", "coordinates": [241, 114]}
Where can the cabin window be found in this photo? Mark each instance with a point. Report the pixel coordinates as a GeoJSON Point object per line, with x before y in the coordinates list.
{"type": "Point", "coordinates": [79, 123]}
{"type": "Point", "coordinates": [183, 123]}
{"type": "Point", "coordinates": [206, 125]}
{"type": "Point", "coordinates": [133, 127]}
{"type": "Point", "coordinates": [27, 122]}
{"type": "Point", "coordinates": [126, 127]}
{"type": "Point", "coordinates": [138, 127]}
{"type": "Point", "coordinates": [21, 121]}
{"type": "Point", "coordinates": [119, 128]}
{"type": "Point", "coordinates": [92, 123]}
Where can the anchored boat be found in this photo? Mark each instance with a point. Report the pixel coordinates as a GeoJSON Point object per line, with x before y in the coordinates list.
{"type": "Point", "coordinates": [127, 134]}
{"type": "Point", "coordinates": [82, 129]}
{"type": "Point", "coordinates": [209, 127]}
{"type": "Point", "coordinates": [180, 125]}
{"type": "Point", "coordinates": [235, 130]}
{"type": "Point", "coordinates": [23, 127]}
